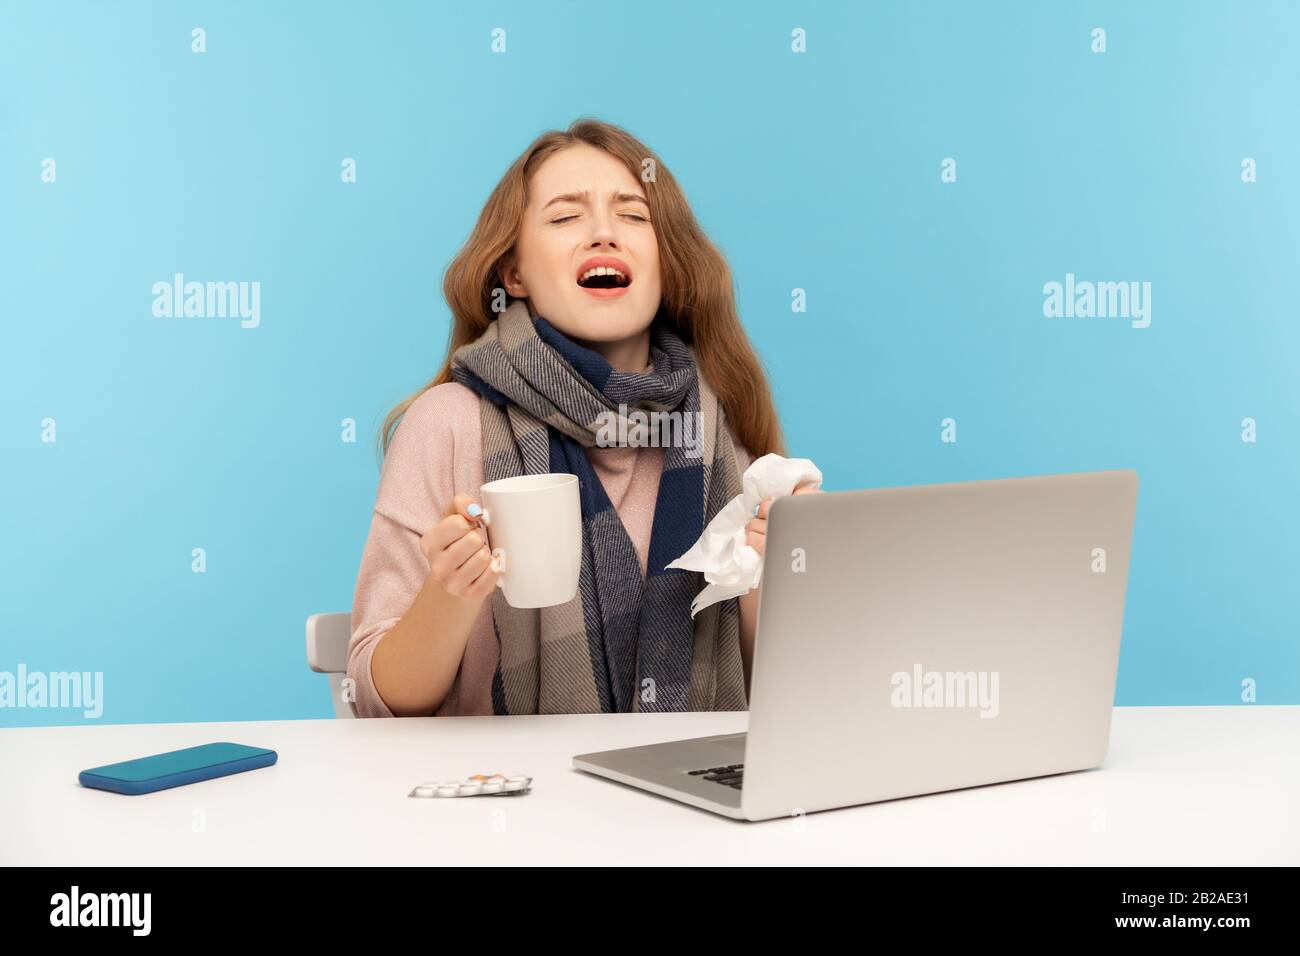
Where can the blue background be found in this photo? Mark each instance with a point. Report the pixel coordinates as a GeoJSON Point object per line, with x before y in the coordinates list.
{"type": "Point", "coordinates": [817, 171]}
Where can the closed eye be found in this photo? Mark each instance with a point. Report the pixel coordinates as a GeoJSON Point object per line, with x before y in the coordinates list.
{"type": "Point", "coordinates": [629, 215]}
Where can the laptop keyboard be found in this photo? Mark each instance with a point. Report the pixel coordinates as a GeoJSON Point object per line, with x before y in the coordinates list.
{"type": "Point", "coordinates": [729, 776]}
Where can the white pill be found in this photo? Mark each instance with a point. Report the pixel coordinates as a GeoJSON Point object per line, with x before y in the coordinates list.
{"type": "Point", "coordinates": [471, 789]}
{"type": "Point", "coordinates": [519, 776]}
{"type": "Point", "coordinates": [493, 786]}
{"type": "Point", "coordinates": [425, 790]}
{"type": "Point", "coordinates": [515, 785]}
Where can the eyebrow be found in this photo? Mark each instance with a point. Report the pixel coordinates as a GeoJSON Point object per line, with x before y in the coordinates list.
{"type": "Point", "coordinates": [583, 196]}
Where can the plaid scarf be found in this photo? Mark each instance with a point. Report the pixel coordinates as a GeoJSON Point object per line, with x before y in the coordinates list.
{"type": "Point", "coordinates": [626, 642]}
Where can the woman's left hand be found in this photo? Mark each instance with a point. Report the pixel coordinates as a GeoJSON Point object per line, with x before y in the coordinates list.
{"type": "Point", "coordinates": [756, 527]}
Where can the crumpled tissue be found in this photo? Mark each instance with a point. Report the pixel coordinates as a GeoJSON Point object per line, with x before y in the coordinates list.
{"type": "Point", "coordinates": [730, 566]}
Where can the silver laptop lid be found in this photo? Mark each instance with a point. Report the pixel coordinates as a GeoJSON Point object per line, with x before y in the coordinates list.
{"type": "Point", "coordinates": [919, 639]}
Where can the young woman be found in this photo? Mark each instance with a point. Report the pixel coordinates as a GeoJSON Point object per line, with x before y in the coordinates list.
{"type": "Point", "coordinates": [586, 288]}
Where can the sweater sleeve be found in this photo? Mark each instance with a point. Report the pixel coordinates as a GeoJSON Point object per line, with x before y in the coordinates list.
{"type": "Point", "coordinates": [416, 483]}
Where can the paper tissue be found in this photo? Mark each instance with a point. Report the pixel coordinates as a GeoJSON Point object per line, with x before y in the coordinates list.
{"type": "Point", "coordinates": [730, 566]}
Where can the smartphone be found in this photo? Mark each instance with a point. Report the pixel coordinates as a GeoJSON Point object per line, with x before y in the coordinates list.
{"type": "Point", "coordinates": [176, 768]}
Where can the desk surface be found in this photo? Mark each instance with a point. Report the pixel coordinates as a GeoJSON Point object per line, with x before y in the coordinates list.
{"type": "Point", "coordinates": [1181, 786]}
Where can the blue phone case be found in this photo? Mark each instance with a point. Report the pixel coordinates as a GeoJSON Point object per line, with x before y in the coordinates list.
{"type": "Point", "coordinates": [176, 768]}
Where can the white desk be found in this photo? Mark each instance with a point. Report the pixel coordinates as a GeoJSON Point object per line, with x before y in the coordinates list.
{"type": "Point", "coordinates": [1181, 786]}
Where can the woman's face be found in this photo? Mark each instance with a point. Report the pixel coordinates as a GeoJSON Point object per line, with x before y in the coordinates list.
{"type": "Point", "coordinates": [586, 210]}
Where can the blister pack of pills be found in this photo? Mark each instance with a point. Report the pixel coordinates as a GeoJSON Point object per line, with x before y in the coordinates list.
{"type": "Point", "coordinates": [479, 785]}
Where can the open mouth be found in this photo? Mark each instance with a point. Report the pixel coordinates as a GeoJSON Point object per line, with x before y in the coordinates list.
{"type": "Point", "coordinates": [604, 280]}
{"type": "Point", "coordinates": [604, 274]}
{"type": "Point", "coordinates": [603, 277]}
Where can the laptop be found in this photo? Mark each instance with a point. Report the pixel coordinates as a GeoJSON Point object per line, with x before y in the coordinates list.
{"type": "Point", "coordinates": [916, 640]}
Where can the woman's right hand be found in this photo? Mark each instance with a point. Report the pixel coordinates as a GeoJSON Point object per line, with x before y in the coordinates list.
{"type": "Point", "coordinates": [458, 553]}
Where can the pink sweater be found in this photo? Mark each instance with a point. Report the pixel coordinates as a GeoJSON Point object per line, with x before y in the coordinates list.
{"type": "Point", "coordinates": [435, 454]}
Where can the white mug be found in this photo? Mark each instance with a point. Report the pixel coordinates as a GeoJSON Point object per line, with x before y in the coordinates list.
{"type": "Point", "coordinates": [534, 526]}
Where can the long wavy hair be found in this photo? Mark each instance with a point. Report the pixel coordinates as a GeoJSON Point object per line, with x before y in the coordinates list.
{"type": "Point", "coordinates": [697, 297]}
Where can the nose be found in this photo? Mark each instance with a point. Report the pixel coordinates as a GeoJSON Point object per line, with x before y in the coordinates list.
{"type": "Point", "coordinates": [602, 230]}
